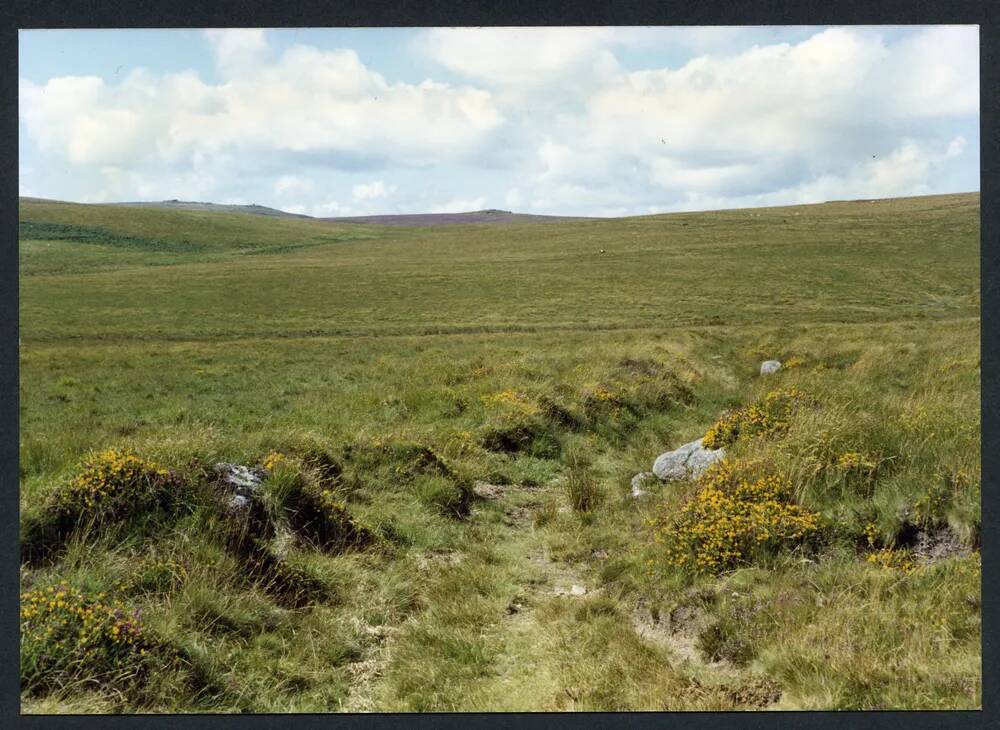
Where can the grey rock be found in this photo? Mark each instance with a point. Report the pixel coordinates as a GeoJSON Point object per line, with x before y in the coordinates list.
{"type": "Point", "coordinates": [672, 464]}
{"type": "Point", "coordinates": [769, 366]}
{"type": "Point", "coordinates": [638, 480]}
{"type": "Point", "coordinates": [700, 460]}
{"type": "Point", "coordinates": [686, 462]}
{"type": "Point", "coordinates": [238, 475]}
{"type": "Point", "coordinates": [239, 485]}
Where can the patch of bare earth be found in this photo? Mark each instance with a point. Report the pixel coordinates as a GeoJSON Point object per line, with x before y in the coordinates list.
{"type": "Point", "coordinates": [364, 673]}
{"type": "Point", "coordinates": [678, 630]}
{"type": "Point", "coordinates": [933, 545]}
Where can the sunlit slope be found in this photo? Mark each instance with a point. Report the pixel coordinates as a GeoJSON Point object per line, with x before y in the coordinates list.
{"type": "Point", "coordinates": [75, 238]}
{"type": "Point", "coordinates": [246, 276]}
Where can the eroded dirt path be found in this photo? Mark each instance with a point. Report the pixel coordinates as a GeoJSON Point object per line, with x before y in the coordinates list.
{"type": "Point", "coordinates": [535, 628]}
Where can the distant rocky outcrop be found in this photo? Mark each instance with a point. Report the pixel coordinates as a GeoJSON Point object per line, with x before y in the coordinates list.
{"type": "Point", "coordinates": [444, 219]}
{"type": "Point", "coordinates": [192, 205]}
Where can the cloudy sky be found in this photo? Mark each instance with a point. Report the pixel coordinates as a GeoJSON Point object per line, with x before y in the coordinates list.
{"type": "Point", "coordinates": [593, 121]}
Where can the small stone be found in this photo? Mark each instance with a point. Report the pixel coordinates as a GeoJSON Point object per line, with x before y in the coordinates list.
{"type": "Point", "coordinates": [638, 480]}
{"type": "Point", "coordinates": [769, 366]}
{"type": "Point", "coordinates": [577, 590]}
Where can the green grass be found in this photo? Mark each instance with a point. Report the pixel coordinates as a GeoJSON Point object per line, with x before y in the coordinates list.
{"type": "Point", "coordinates": [421, 360]}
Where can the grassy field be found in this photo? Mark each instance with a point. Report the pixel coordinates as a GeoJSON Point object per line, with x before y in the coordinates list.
{"type": "Point", "coordinates": [470, 404]}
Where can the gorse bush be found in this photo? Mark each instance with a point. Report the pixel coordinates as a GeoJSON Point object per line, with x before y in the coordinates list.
{"type": "Point", "coordinates": [325, 520]}
{"type": "Point", "coordinates": [113, 482]}
{"type": "Point", "coordinates": [519, 433]}
{"type": "Point", "coordinates": [291, 499]}
{"type": "Point", "coordinates": [768, 416]}
{"type": "Point", "coordinates": [112, 486]}
{"type": "Point", "coordinates": [736, 516]}
{"type": "Point", "coordinates": [69, 636]}
{"type": "Point", "coordinates": [511, 400]}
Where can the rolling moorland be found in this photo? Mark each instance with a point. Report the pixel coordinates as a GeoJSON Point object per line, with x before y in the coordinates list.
{"type": "Point", "coordinates": [440, 425]}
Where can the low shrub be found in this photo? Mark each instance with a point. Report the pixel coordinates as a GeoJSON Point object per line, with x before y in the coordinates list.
{"type": "Point", "coordinates": [735, 517]}
{"type": "Point", "coordinates": [602, 401]}
{"type": "Point", "coordinates": [638, 387]}
{"type": "Point", "coordinates": [314, 514]}
{"type": "Point", "coordinates": [520, 434]}
{"type": "Point", "coordinates": [320, 517]}
{"type": "Point", "coordinates": [768, 416]}
{"type": "Point", "coordinates": [721, 641]}
{"type": "Point", "coordinates": [394, 459]}
{"type": "Point", "coordinates": [111, 487]}
{"type": "Point", "coordinates": [558, 414]}
{"type": "Point", "coordinates": [327, 469]}
{"type": "Point", "coordinates": [68, 636]}
{"type": "Point", "coordinates": [289, 584]}
{"type": "Point", "coordinates": [892, 559]}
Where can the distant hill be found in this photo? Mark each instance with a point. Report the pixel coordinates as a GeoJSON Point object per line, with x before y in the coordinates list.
{"type": "Point", "coordinates": [438, 219]}
{"type": "Point", "coordinates": [214, 208]}
{"type": "Point", "coordinates": [411, 219]}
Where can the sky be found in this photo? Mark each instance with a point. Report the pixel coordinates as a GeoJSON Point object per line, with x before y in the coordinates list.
{"type": "Point", "coordinates": [567, 121]}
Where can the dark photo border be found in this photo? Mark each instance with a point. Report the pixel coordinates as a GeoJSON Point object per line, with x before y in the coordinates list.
{"type": "Point", "coordinates": [34, 14]}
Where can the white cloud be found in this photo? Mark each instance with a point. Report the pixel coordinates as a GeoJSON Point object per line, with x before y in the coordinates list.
{"type": "Point", "coordinates": [801, 119]}
{"type": "Point", "coordinates": [518, 57]}
{"type": "Point", "coordinates": [237, 50]}
{"type": "Point", "coordinates": [323, 107]}
{"type": "Point", "coordinates": [292, 186]}
{"type": "Point", "coordinates": [330, 209]}
{"type": "Point", "coordinates": [513, 199]}
{"type": "Point", "coordinates": [460, 205]}
{"type": "Point", "coordinates": [372, 191]}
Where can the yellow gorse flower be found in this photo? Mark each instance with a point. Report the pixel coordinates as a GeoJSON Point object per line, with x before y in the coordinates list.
{"type": "Point", "coordinates": [889, 559]}
{"type": "Point", "coordinates": [110, 473]}
{"type": "Point", "coordinates": [767, 416]}
{"type": "Point", "coordinates": [70, 631]}
{"type": "Point", "coordinates": [273, 460]}
{"type": "Point", "coordinates": [511, 400]}
{"type": "Point", "coordinates": [731, 516]}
